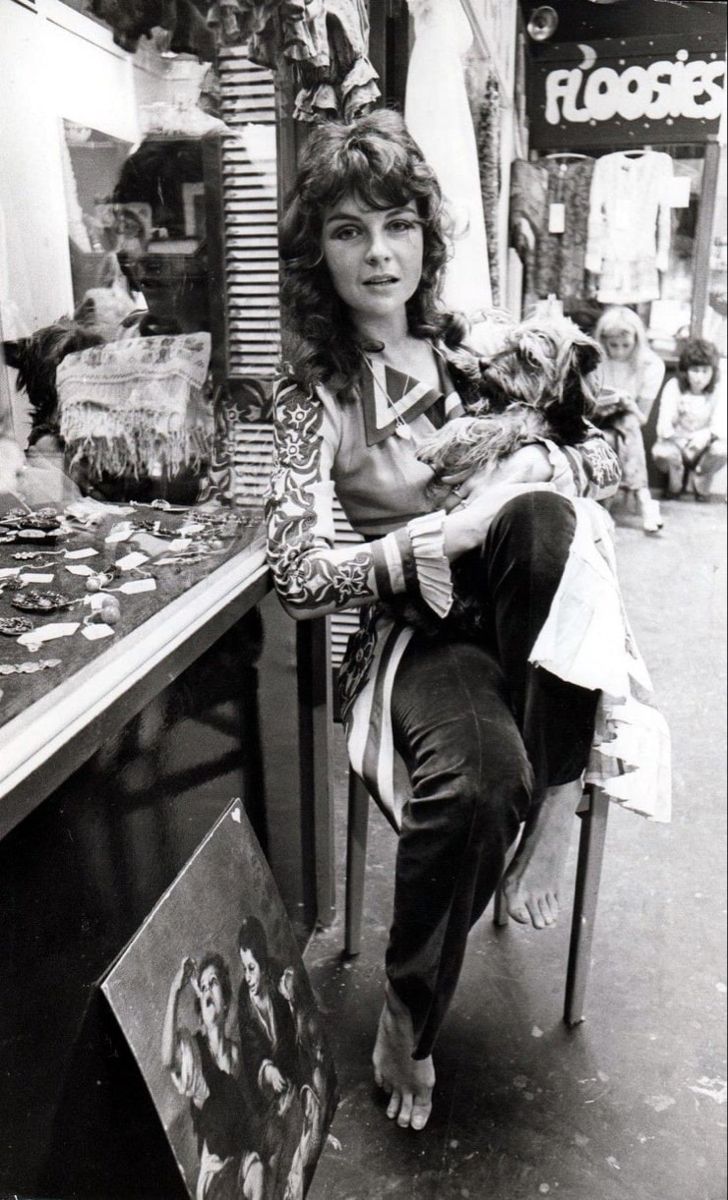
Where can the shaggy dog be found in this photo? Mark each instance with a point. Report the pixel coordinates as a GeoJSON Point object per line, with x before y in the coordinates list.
{"type": "Point", "coordinates": [536, 387]}
{"type": "Point", "coordinates": [36, 358]}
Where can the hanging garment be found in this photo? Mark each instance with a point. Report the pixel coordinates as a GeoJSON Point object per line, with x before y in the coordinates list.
{"type": "Point", "coordinates": [488, 139]}
{"type": "Point", "coordinates": [324, 43]}
{"type": "Point", "coordinates": [554, 263]}
{"type": "Point", "coordinates": [438, 117]}
{"type": "Point", "coordinates": [629, 226]}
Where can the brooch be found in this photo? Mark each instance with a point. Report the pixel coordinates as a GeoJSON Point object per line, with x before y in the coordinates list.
{"type": "Point", "coordinates": [33, 601]}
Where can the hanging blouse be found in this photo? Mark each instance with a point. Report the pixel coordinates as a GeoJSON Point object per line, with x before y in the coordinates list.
{"type": "Point", "coordinates": [629, 226]}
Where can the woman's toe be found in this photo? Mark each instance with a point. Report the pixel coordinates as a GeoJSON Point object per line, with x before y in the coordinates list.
{"type": "Point", "coordinates": [394, 1105]}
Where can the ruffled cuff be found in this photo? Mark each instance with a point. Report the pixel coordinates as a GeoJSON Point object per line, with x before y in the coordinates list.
{"type": "Point", "coordinates": [434, 578]}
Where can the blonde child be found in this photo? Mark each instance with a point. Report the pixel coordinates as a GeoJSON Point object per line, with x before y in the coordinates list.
{"type": "Point", "coordinates": [631, 375]}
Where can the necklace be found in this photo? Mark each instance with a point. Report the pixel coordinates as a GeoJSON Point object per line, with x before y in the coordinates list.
{"type": "Point", "coordinates": [401, 427]}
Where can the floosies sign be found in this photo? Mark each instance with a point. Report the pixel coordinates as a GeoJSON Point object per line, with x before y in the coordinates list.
{"type": "Point", "coordinates": [626, 90]}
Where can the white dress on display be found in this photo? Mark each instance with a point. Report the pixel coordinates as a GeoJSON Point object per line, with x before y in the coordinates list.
{"type": "Point", "coordinates": [628, 237]}
{"type": "Point", "coordinates": [438, 117]}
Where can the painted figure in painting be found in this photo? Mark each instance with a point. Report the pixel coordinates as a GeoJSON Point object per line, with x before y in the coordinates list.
{"type": "Point", "coordinates": [205, 1066]}
{"type": "Point", "coordinates": [269, 1058]}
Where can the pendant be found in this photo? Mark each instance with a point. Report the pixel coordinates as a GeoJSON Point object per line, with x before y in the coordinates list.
{"type": "Point", "coordinates": [404, 432]}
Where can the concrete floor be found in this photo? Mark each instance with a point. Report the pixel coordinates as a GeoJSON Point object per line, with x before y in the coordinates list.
{"type": "Point", "coordinates": [632, 1104]}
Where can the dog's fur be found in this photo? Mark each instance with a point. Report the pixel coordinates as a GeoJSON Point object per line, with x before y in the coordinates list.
{"type": "Point", "coordinates": [536, 387]}
{"type": "Point", "coordinates": [36, 358]}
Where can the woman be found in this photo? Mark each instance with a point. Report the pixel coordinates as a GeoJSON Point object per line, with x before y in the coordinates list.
{"type": "Point", "coordinates": [631, 378]}
{"type": "Point", "coordinates": [439, 667]}
{"type": "Point", "coordinates": [268, 1041]}
{"type": "Point", "coordinates": [205, 1067]}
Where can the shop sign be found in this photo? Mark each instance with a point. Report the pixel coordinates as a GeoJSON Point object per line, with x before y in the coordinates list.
{"type": "Point", "coordinates": [623, 90]}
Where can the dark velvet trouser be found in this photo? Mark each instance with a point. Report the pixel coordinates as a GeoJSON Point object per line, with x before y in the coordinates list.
{"type": "Point", "coordinates": [482, 733]}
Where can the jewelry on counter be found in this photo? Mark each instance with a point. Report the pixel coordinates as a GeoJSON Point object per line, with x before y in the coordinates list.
{"type": "Point", "coordinates": [31, 600]}
{"type": "Point", "coordinates": [14, 626]}
{"type": "Point", "coordinates": [29, 555]}
{"type": "Point", "coordinates": [28, 668]}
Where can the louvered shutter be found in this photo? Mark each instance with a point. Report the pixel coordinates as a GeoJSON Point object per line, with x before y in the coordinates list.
{"type": "Point", "coordinates": [249, 234]}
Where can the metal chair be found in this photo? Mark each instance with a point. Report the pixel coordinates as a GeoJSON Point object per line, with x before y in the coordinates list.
{"type": "Point", "coordinates": [593, 814]}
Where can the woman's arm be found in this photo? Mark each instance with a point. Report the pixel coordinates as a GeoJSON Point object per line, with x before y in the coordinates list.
{"type": "Point", "coordinates": [668, 410]}
{"type": "Point", "coordinates": [185, 972]}
{"type": "Point", "coordinates": [314, 578]}
{"type": "Point", "coordinates": [310, 575]}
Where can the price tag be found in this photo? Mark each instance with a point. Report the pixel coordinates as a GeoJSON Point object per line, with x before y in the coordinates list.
{"type": "Point", "coordinates": [94, 632]}
{"type": "Point", "coordinates": [88, 552]}
{"type": "Point", "coordinates": [8, 572]}
{"type": "Point", "coordinates": [48, 633]}
{"type": "Point", "coordinates": [135, 559]}
{"type": "Point", "coordinates": [28, 578]}
{"type": "Point", "coordinates": [119, 533]}
{"type": "Point", "coordinates": [557, 218]}
{"type": "Point", "coordinates": [81, 569]}
{"type": "Point", "coordinates": [679, 191]}
{"type": "Point", "coordinates": [137, 585]}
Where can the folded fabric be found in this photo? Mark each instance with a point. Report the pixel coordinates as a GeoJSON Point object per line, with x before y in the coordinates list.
{"type": "Point", "coordinates": [586, 640]}
{"type": "Point", "coordinates": [133, 407]}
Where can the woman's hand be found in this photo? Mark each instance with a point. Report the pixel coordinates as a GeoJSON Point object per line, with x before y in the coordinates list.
{"type": "Point", "coordinates": [466, 526]}
{"type": "Point", "coordinates": [275, 1080]}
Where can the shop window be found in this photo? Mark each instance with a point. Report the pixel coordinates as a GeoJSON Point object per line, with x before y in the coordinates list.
{"type": "Point", "coordinates": [161, 183]}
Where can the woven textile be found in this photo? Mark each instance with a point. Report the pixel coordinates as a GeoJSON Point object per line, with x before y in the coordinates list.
{"type": "Point", "coordinates": [133, 407]}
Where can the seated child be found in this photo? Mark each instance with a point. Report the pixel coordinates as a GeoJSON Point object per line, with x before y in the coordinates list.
{"type": "Point", "coordinates": [691, 442]}
{"type": "Point", "coordinates": [631, 377]}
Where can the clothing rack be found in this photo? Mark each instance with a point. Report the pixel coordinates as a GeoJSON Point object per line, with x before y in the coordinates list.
{"type": "Point", "coordinates": [564, 154]}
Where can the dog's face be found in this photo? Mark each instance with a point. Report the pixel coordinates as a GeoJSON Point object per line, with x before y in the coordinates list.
{"type": "Point", "coordinates": [36, 357]}
{"type": "Point", "coordinates": [544, 364]}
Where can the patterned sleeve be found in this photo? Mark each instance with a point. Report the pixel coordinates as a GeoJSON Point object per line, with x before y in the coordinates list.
{"type": "Point", "coordinates": [596, 468]}
{"type": "Point", "coordinates": [311, 576]}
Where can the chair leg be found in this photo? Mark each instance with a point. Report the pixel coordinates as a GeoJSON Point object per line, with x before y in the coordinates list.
{"type": "Point", "coordinates": [500, 912]}
{"type": "Point", "coordinates": [356, 859]}
{"type": "Point", "coordinates": [588, 873]}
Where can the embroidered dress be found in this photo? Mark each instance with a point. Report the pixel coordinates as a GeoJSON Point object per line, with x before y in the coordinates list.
{"type": "Point", "coordinates": [401, 576]}
{"type": "Point", "coordinates": [629, 226]}
{"type": "Point", "coordinates": [554, 263]}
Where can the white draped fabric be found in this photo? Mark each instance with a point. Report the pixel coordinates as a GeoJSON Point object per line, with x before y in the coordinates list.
{"type": "Point", "coordinates": [438, 117]}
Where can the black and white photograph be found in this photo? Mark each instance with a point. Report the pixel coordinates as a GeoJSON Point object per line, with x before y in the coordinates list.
{"type": "Point", "coordinates": [363, 500]}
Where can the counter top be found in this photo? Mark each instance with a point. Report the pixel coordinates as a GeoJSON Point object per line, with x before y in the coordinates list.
{"type": "Point", "coordinates": [53, 720]}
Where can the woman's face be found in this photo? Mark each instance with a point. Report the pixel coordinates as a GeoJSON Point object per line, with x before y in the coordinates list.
{"type": "Point", "coordinates": [251, 971]}
{"type": "Point", "coordinates": [374, 256]}
{"type": "Point", "coordinates": [212, 1004]}
{"type": "Point", "coordinates": [699, 377]}
{"type": "Point", "coordinates": [619, 346]}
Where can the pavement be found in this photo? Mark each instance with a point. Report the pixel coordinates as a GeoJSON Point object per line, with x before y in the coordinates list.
{"type": "Point", "coordinates": [630, 1105]}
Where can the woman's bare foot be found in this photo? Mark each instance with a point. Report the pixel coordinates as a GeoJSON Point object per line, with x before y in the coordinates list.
{"type": "Point", "coordinates": [408, 1081]}
{"type": "Point", "coordinates": [533, 879]}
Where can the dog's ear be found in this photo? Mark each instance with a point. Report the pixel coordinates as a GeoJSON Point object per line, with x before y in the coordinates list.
{"type": "Point", "coordinates": [587, 355]}
{"type": "Point", "coordinates": [581, 357]}
{"type": "Point", "coordinates": [13, 353]}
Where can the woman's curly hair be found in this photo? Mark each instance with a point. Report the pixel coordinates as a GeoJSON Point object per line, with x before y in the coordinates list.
{"type": "Point", "coordinates": [376, 160]}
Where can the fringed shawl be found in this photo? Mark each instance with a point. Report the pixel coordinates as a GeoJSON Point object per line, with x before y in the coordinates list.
{"type": "Point", "coordinates": [129, 407]}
